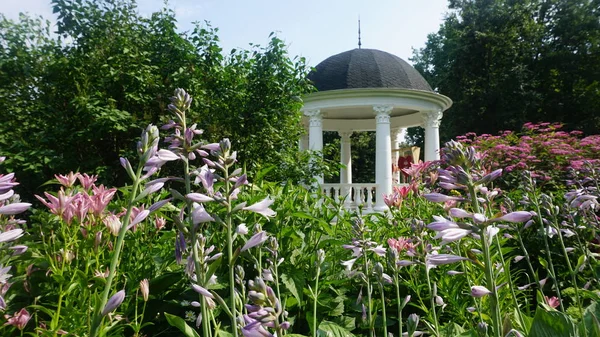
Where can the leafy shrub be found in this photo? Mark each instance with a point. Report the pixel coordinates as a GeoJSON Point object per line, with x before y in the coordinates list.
{"type": "Point", "coordinates": [543, 149]}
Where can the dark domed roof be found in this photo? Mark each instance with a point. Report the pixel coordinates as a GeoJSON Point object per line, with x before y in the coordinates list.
{"type": "Point", "coordinates": [366, 68]}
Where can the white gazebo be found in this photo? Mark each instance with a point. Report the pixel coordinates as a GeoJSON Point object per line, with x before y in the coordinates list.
{"type": "Point", "coordinates": [370, 90]}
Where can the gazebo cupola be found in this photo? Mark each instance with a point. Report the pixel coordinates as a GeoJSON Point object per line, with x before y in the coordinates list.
{"type": "Point", "coordinates": [370, 90]}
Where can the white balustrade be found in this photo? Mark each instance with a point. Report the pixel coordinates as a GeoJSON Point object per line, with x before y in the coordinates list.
{"type": "Point", "coordinates": [353, 195]}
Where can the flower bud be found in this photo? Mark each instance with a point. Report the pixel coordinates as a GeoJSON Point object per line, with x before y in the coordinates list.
{"type": "Point", "coordinates": [113, 302]}
{"type": "Point", "coordinates": [145, 289]}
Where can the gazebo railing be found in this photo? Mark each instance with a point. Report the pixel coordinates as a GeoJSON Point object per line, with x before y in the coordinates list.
{"type": "Point", "coordinates": [354, 195]}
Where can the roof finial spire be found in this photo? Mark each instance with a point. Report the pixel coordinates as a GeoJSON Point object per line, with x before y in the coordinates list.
{"type": "Point", "coordinates": [359, 44]}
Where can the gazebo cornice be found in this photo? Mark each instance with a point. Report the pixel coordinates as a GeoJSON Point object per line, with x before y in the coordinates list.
{"type": "Point", "coordinates": [367, 96]}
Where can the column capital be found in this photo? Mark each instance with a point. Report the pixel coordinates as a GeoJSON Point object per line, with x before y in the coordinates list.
{"type": "Point", "coordinates": [345, 135]}
{"type": "Point", "coordinates": [315, 117]}
{"type": "Point", "coordinates": [383, 109]}
{"type": "Point", "coordinates": [432, 119]}
{"type": "Point", "coordinates": [312, 113]}
{"type": "Point", "coordinates": [382, 113]}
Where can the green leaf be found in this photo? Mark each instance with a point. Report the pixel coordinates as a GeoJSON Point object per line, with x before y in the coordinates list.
{"type": "Point", "coordinates": [552, 324]}
{"type": "Point", "coordinates": [293, 283]}
{"type": "Point", "coordinates": [330, 329]}
{"type": "Point", "coordinates": [180, 324]}
{"type": "Point", "coordinates": [452, 329]}
{"type": "Point", "coordinates": [591, 318]}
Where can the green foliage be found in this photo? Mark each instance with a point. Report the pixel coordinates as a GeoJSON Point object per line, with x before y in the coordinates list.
{"type": "Point", "coordinates": [508, 62]}
{"type": "Point", "coordinates": [180, 324]}
{"type": "Point", "coordinates": [75, 102]}
{"type": "Point", "coordinates": [552, 324]}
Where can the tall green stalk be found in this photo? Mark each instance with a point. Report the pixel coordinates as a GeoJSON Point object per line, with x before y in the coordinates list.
{"type": "Point", "coordinates": [383, 309]}
{"type": "Point", "coordinates": [489, 271]}
{"type": "Point", "coordinates": [316, 298]}
{"type": "Point", "coordinates": [436, 324]}
{"type": "Point", "coordinates": [400, 306]}
{"type": "Point", "coordinates": [97, 321]}
{"type": "Point", "coordinates": [540, 220]}
{"type": "Point", "coordinates": [230, 256]}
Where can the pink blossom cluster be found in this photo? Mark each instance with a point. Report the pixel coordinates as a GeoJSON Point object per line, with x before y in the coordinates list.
{"type": "Point", "coordinates": [542, 148]}
{"type": "Point", "coordinates": [78, 204]}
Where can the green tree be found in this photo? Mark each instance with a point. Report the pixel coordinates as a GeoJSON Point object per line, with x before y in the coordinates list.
{"type": "Point", "coordinates": [77, 101]}
{"type": "Point", "coordinates": [506, 62]}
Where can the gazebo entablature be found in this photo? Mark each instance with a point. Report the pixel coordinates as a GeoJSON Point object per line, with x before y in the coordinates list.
{"type": "Point", "coordinates": [387, 111]}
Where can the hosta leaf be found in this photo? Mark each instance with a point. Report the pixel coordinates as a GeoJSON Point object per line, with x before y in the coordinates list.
{"type": "Point", "coordinates": [330, 329]}
{"type": "Point", "coordinates": [551, 324]}
{"type": "Point", "coordinates": [294, 283]}
{"type": "Point", "coordinates": [180, 324]}
{"type": "Point", "coordinates": [591, 320]}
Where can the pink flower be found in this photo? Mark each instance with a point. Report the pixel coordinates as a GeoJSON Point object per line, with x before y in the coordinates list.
{"type": "Point", "coordinates": [19, 319]}
{"type": "Point", "coordinates": [400, 244]}
{"type": "Point", "coordinates": [67, 180]}
{"type": "Point", "coordinates": [57, 205]}
{"type": "Point", "coordinates": [552, 302]}
{"type": "Point", "coordinates": [87, 181]}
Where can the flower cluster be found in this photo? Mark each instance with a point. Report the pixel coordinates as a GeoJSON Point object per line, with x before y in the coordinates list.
{"type": "Point", "coordinates": [10, 206]}
{"type": "Point", "coordinates": [263, 312]}
{"type": "Point", "coordinates": [543, 148]}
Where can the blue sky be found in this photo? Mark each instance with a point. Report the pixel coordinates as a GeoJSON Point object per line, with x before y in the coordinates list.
{"type": "Point", "coordinates": [311, 28]}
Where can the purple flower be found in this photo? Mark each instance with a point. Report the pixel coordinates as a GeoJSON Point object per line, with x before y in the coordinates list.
{"type": "Point", "coordinates": [166, 155]}
{"type": "Point", "coordinates": [200, 215]}
{"type": "Point", "coordinates": [349, 264]}
{"type": "Point", "coordinates": [199, 197]}
{"type": "Point", "coordinates": [460, 213]}
{"type": "Point", "coordinates": [262, 208]}
{"type": "Point", "coordinates": [438, 197]}
{"type": "Point", "coordinates": [515, 217]}
{"type": "Point", "coordinates": [19, 249]}
{"type": "Point", "coordinates": [113, 302]}
{"type": "Point", "coordinates": [139, 217]}
{"type": "Point", "coordinates": [441, 224]}
{"type": "Point", "coordinates": [452, 234]}
{"type": "Point", "coordinates": [479, 291]}
{"type": "Point", "coordinates": [379, 250]}
{"type": "Point", "coordinates": [254, 328]}
{"type": "Point", "coordinates": [255, 240]}
{"type": "Point", "coordinates": [241, 229]}
{"type": "Point", "coordinates": [202, 291]}
{"type": "Point", "coordinates": [11, 235]}
{"type": "Point", "coordinates": [16, 208]}
{"type": "Point", "coordinates": [404, 263]}
{"type": "Point", "coordinates": [434, 260]}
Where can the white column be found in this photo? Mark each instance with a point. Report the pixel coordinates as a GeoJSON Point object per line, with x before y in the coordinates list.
{"type": "Point", "coordinates": [383, 154]}
{"type": "Point", "coordinates": [397, 137]}
{"type": "Point", "coordinates": [345, 157]}
{"type": "Point", "coordinates": [315, 133]}
{"type": "Point", "coordinates": [431, 123]}
{"type": "Point", "coordinates": [303, 142]}
{"type": "Point", "coordinates": [346, 169]}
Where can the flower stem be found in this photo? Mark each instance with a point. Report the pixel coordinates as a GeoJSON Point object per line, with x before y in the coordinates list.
{"type": "Point", "coordinates": [316, 297]}
{"type": "Point", "coordinates": [383, 309]}
{"type": "Point", "coordinates": [547, 246]}
{"type": "Point", "coordinates": [115, 259]}
{"type": "Point", "coordinates": [229, 224]}
{"type": "Point", "coordinates": [489, 271]}
{"type": "Point", "coordinates": [436, 325]}
{"type": "Point", "coordinates": [397, 284]}
{"type": "Point", "coordinates": [571, 272]}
